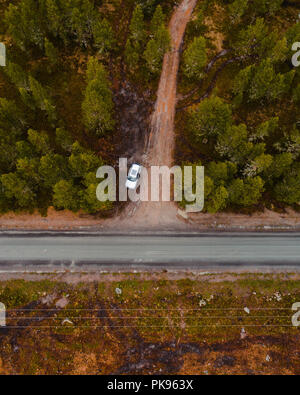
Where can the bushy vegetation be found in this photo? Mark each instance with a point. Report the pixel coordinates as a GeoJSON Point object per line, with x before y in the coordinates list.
{"type": "Point", "coordinates": [57, 110]}
{"type": "Point", "coordinates": [240, 109]}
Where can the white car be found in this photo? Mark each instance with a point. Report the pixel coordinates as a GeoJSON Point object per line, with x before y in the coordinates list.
{"type": "Point", "coordinates": [134, 175]}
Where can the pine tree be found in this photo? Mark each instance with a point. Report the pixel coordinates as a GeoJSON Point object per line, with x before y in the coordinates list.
{"type": "Point", "coordinates": [157, 21]}
{"type": "Point", "coordinates": [212, 117]}
{"type": "Point", "coordinates": [66, 196]}
{"type": "Point", "coordinates": [51, 52]}
{"type": "Point", "coordinates": [156, 48]}
{"type": "Point", "coordinates": [98, 107]}
{"type": "Point", "coordinates": [42, 99]}
{"type": "Point", "coordinates": [52, 169]}
{"type": "Point", "coordinates": [246, 193]}
{"type": "Point", "coordinates": [137, 25]}
{"type": "Point", "coordinates": [39, 140]}
{"type": "Point", "coordinates": [103, 35]}
{"type": "Point", "coordinates": [17, 75]}
{"type": "Point", "coordinates": [195, 59]}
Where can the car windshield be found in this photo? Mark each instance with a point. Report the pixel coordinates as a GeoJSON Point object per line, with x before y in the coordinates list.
{"type": "Point", "coordinates": [131, 178]}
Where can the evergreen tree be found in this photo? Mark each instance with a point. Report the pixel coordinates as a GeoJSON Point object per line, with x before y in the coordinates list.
{"type": "Point", "coordinates": [42, 99]}
{"type": "Point", "coordinates": [18, 190]}
{"type": "Point", "coordinates": [66, 196]}
{"type": "Point", "coordinates": [246, 192]}
{"type": "Point", "coordinates": [137, 25]}
{"type": "Point", "coordinates": [97, 107]}
{"type": "Point", "coordinates": [39, 140]}
{"type": "Point", "coordinates": [17, 75]}
{"type": "Point", "coordinates": [157, 21]}
{"type": "Point", "coordinates": [212, 117]}
{"type": "Point", "coordinates": [217, 200]}
{"type": "Point", "coordinates": [52, 169]}
{"type": "Point", "coordinates": [237, 9]}
{"type": "Point", "coordinates": [288, 191]}
{"type": "Point", "coordinates": [195, 59]}
{"type": "Point", "coordinates": [103, 35]}
{"type": "Point", "coordinates": [51, 52]}
{"type": "Point", "coordinates": [89, 201]}
{"type": "Point", "coordinates": [156, 48]}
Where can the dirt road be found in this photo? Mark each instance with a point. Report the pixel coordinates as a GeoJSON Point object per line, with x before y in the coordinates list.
{"type": "Point", "coordinates": [160, 146]}
{"type": "Point", "coordinates": [161, 142]}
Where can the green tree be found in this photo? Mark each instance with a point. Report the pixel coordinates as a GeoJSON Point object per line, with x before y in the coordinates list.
{"type": "Point", "coordinates": [237, 10]}
{"type": "Point", "coordinates": [212, 117]}
{"type": "Point", "coordinates": [267, 6]}
{"type": "Point", "coordinates": [64, 139]}
{"type": "Point", "coordinates": [251, 39]}
{"type": "Point", "coordinates": [261, 83]}
{"type": "Point", "coordinates": [39, 140]}
{"type": "Point", "coordinates": [52, 169]}
{"type": "Point", "coordinates": [137, 25]}
{"type": "Point", "coordinates": [157, 21]}
{"type": "Point", "coordinates": [246, 192]}
{"type": "Point", "coordinates": [103, 34]}
{"type": "Point", "coordinates": [10, 117]}
{"type": "Point", "coordinates": [265, 129]}
{"type": "Point", "coordinates": [217, 200]}
{"type": "Point", "coordinates": [18, 190]}
{"type": "Point", "coordinates": [267, 83]}
{"type": "Point", "coordinates": [54, 17]}
{"type": "Point", "coordinates": [42, 99]}
{"type": "Point", "coordinates": [17, 75]}
{"type": "Point", "coordinates": [221, 172]}
{"type": "Point", "coordinates": [233, 144]}
{"type": "Point", "coordinates": [136, 41]}
{"type": "Point", "coordinates": [156, 48]}
{"type": "Point", "coordinates": [98, 107]}
{"type": "Point", "coordinates": [195, 58]}
{"type": "Point", "coordinates": [66, 196]}
{"type": "Point", "coordinates": [132, 56]}
{"type": "Point", "coordinates": [258, 165]}
{"type": "Point", "coordinates": [51, 52]}
{"type": "Point", "coordinates": [288, 191]}
{"type": "Point", "coordinates": [83, 161]}
{"type": "Point", "coordinates": [89, 201]}
{"type": "Point", "coordinates": [281, 165]}
{"type": "Point", "coordinates": [24, 22]}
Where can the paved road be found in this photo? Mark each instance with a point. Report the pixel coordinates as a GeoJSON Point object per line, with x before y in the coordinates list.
{"type": "Point", "coordinates": [86, 252]}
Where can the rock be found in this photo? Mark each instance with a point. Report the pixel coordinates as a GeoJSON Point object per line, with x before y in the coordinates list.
{"type": "Point", "coordinates": [202, 303]}
{"type": "Point", "coordinates": [278, 296]}
{"type": "Point", "coordinates": [225, 360]}
{"type": "Point", "coordinates": [48, 299]}
{"type": "Point", "coordinates": [247, 310]}
{"type": "Point", "coordinates": [243, 334]}
{"type": "Point", "coordinates": [118, 291]}
{"type": "Point", "coordinates": [67, 321]}
{"type": "Point", "coordinates": [62, 303]}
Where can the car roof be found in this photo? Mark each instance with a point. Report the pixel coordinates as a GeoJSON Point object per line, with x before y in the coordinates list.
{"type": "Point", "coordinates": [135, 166]}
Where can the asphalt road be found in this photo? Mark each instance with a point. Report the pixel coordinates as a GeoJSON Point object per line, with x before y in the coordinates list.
{"type": "Point", "coordinates": [208, 251]}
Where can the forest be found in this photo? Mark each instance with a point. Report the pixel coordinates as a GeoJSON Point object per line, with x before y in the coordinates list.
{"type": "Point", "coordinates": [68, 60]}
{"type": "Point", "coordinates": [238, 113]}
